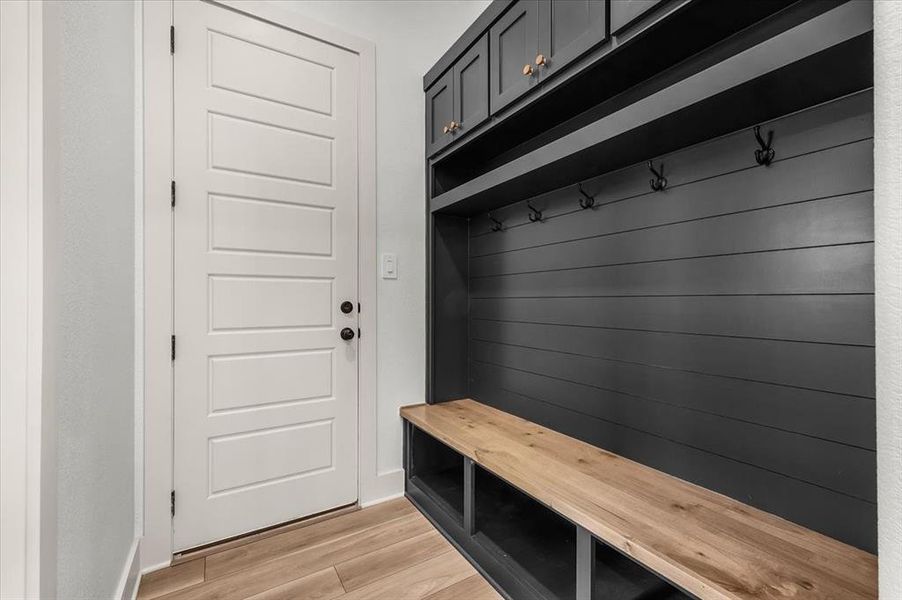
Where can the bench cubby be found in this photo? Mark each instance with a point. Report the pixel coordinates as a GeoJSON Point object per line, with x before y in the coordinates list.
{"type": "Point", "coordinates": [618, 577]}
{"type": "Point", "coordinates": [438, 471]}
{"type": "Point", "coordinates": [534, 541]}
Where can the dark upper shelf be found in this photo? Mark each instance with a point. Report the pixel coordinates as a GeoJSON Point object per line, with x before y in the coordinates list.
{"type": "Point", "coordinates": [777, 76]}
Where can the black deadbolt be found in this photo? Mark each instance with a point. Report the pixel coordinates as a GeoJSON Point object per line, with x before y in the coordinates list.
{"type": "Point", "coordinates": [347, 306]}
{"type": "Point", "coordinates": [347, 334]}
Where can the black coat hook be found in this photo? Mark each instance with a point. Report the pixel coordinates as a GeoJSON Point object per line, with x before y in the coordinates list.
{"type": "Point", "coordinates": [659, 182]}
{"type": "Point", "coordinates": [765, 154]}
{"type": "Point", "coordinates": [586, 201]}
{"type": "Point", "coordinates": [496, 224]}
{"type": "Point", "coordinates": [535, 215]}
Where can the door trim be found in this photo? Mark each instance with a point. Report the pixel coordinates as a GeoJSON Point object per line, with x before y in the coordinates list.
{"type": "Point", "coordinates": [157, 545]}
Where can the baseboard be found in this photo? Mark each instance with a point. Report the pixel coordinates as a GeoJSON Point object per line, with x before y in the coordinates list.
{"type": "Point", "coordinates": [384, 486]}
{"type": "Point", "coordinates": [131, 574]}
{"type": "Point", "coordinates": [381, 500]}
{"type": "Point", "coordinates": [156, 567]}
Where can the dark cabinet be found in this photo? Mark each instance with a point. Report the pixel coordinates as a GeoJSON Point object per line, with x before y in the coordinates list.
{"type": "Point", "coordinates": [536, 38]}
{"type": "Point", "coordinates": [568, 29]}
{"type": "Point", "coordinates": [458, 101]}
{"type": "Point", "coordinates": [624, 12]}
{"type": "Point", "coordinates": [439, 113]}
{"type": "Point", "coordinates": [470, 76]}
{"type": "Point", "coordinates": [514, 41]}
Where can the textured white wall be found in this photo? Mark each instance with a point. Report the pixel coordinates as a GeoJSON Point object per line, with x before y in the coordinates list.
{"type": "Point", "coordinates": [409, 37]}
{"type": "Point", "coordinates": [888, 256]}
{"type": "Point", "coordinates": [93, 260]}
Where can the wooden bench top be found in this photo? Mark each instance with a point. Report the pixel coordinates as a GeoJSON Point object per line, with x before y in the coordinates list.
{"type": "Point", "coordinates": [708, 544]}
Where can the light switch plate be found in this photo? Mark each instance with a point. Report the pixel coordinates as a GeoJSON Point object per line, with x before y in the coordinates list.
{"type": "Point", "coordinates": [389, 266]}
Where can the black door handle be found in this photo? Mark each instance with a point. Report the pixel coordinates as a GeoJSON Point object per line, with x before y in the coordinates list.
{"type": "Point", "coordinates": [347, 334]}
{"type": "Point", "coordinates": [347, 306]}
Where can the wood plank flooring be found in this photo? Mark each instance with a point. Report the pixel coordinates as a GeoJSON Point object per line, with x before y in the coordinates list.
{"type": "Point", "coordinates": [385, 552]}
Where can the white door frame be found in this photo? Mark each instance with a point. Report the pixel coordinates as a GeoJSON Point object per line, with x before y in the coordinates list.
{"type": "Point", "coordinates": [27, 403]}
{"type": "Point", "coordinates": [156, 546]}
{"type": "Point", "coordinates": [21, 297]}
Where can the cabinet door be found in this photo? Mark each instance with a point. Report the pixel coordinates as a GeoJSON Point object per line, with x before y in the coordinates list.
{"type": "Point", "coordinates": [568, 29]}
{"type": "Point", "coordinates": [513, 41]}
{"type": "Point", "coordinates": [471, 87]}
{"type": "Point", "coordinates": [439, 113]}
{"type": "Point", "coordinates": [624, 12]}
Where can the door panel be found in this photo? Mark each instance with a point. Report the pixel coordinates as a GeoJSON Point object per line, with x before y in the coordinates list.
{"type": "Point", "coordinates": [471, 80]}
{"type": "Point", "coordinates": [439, 113]}
{"type": "Point", "coordinates": [266, 379]}
{"type": "Point", "coordinates": [513, 45]}
{"type": "Point", "coordinates": [278, 151]}
{"type": "Point", "coordinates": [265, 252]}
{"type": "Point", "coordinates": [292, 80]}
{"type": "Point", "coordinates": [624, 12]}
{"type": "Point", "coordinates": [569, 28]}
{"type": "Point", "coordinates": [252, 225]}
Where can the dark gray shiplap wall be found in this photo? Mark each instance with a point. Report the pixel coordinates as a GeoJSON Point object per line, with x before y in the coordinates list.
{"type": "Point", "coordinates": [721, 330]}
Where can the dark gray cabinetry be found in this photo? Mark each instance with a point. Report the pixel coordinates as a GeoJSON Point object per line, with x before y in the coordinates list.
{"type": "Point", "coordinates": [536, 38]}
{"type": "Point", "coordinates": [624, 12]}
{"type": "Point", "coordinates": [471, 79]}
{"type": "Point", "coordinates": [568, 29]}
{"type": "Point", "coordinates": [439, 113]}
{"type": "Point", "coordinates": [458, 101]}
{"type": "Point", "coordinates": [514, 43]}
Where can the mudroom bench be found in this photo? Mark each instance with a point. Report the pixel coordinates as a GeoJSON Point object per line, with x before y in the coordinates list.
{"type": "Point", "coordinates": [545, 516]}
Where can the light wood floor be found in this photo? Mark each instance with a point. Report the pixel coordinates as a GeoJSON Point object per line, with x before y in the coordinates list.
{"type": "Point", "coordinates": [388, 551]}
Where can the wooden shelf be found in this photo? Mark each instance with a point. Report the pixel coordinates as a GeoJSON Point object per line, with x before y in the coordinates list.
{"type": "Point", "coordinates": [783, 74]}
{"type": "Point", "coordinates": [707, 544]}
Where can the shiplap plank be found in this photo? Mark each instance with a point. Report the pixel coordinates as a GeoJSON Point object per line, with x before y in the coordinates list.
{"type": "Point", "coordinates": [836, 220]}
{"type": "Point", "coordinates": [844, 419]}
{"type": "Point", "coordinates": [825, 367]}
{"type": "Point", "coordinates": [822, 270]}
{"type": "Point", "coordinates": [836, 319]}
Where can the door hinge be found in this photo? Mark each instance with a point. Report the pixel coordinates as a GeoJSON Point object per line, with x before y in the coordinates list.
{"type": "Point", "coordinates": [172, 39]}
{"type": "Point", "coordinates": [173, 348]}
{"type": "Point", "coordinates": [172, 193]}
{"type": "Point", "coordinates": [172, 503]}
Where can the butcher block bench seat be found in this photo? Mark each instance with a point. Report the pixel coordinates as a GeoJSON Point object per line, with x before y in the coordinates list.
{"type": "Point", "coordinates": [707, 544]}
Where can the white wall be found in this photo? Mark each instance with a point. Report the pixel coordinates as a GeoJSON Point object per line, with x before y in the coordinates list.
{"type": "Point", "coordinates": [92, 259]}
{"type": "Point", "coordinates": [409, 37]}
{"type": "Point", "coordinates": [888, 258]}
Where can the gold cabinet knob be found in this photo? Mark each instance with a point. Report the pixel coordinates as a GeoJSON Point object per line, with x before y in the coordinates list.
{"type": "Point", "coordinates": [527, 70]}
{"type": "Point", "coordinates": [453, 126]}
{"type": "Point", "coordinates": [541, 61]}
{"type": "Point", "coordinates": [446, 129]}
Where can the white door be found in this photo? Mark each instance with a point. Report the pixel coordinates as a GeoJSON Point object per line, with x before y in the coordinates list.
{"type": "Point", "coordinates": [265, 254]}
